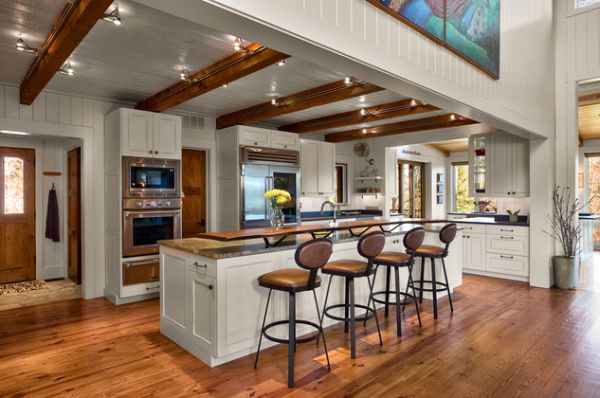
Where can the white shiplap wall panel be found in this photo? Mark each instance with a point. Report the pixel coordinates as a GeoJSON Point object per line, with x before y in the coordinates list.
{"type": "Point", "coordinates": [521, 96]}
{"type": "Point", "coordinates": [64, 109]}
{"type": "Point", "coordinates": [583, 43]}
{"type": "Point", "coordinates": [11, 102]}
{"type": "Point", "coordinates": [51, 107]}
{"type": "Point", "coordinates": [39, 108]}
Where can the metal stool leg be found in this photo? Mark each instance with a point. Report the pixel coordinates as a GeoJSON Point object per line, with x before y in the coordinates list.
{"type": "Point", "coordinates": [262, 328]}
{"type": "Point", "coordinates": [434, 289]}
{"type": "Point", "coordinates": [324, 306]}
{"type": "Point", "coordinates": [346, 301]}
{"type": "Point", "coordinates": [398, 309]}
{"type": "Point", "coordinates": [422, 280]}
{"type": "Point", "coordinates": [447, 285]}
{"type": "Point", "coordinates": [411, 283]}
{"type": "Point", "coordinates": [321, 331]}
{"type": "Point", "coordinates": [387, 291]}
{"type": "Point", "coordinates": [352, 319]}
{"type": "Point", "coordinates": [371, 285]}
{"type": "Point", "coordinates": [292, 337]}
{"type": "Point", "coordinates": [371, 294]}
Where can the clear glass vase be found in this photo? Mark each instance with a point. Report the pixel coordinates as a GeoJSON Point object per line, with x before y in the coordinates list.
{"type": "Point", "coordinates": [277, 218]}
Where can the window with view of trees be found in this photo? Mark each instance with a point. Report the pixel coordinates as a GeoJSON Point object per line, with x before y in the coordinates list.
{"type": "Point", "coordinates": [460, 176]}
{"type": "Point", "coordinates": [585, 3]}
{"type": "Point", "coordinates": [593, 191]}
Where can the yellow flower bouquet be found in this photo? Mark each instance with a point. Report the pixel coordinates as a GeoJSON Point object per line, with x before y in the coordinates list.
{"type": "Point", "coordinates": [278, 198]}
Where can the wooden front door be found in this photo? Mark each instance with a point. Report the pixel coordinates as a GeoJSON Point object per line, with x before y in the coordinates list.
{"type": "Point", "coordinates": [74, 214]}
{"type": "Point", "coordinates": [17, 214]}
{"type": "Point", "coordinates": [193, 166]}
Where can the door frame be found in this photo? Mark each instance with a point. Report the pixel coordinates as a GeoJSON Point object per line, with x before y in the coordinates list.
{"type": "Point", "coordinates": [37, 145]}
{"type": "Point", "coordinates": [68, 148]}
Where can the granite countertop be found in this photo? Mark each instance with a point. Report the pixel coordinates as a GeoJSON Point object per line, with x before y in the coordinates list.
{"type": "Point", "coordinates": [222, 250]}
{"type": "Point", "coordinates": [490, 221]}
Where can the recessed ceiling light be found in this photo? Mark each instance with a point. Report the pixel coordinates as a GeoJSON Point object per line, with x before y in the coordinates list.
{"type": "Point", "coordinates": [281, 63]}
{"type": "Point", "coordinates": [14, 132]}
{"type": "Point", "coordinates": [113, 17]}
{"type": "Point", "coordinates": [67, 69]}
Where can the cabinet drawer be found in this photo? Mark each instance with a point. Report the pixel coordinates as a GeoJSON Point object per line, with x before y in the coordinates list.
{"type": "Point", "coordinates": [289, 141]}
{"type": "Point", "coordinates": [507, 230]}
{"type": "Point", "coordinates": [508, 244]}
{"type": "Point", "coordinates": [136, 272]}
{"type": "Point", "coordinates": [472, 228]}
{"type": "Point", "coordinates": [255, 137]}
{"type": "Point", "coordinates": [202, 266]}
{"type": "Point", "coordinates": [507, 264]}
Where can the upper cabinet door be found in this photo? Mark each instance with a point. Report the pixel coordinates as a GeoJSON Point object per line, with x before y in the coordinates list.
{"type": "Point", "coordinates": [167, 136]}
{"type": "Point", "coordinates": [501, 167]}
{"type": "Point", "coordinates": [479, 165]}
{"type": "Point", "coordinates": [326, 168]}
{"type": "Point", "coordinates": [520, 167]}
{"type": "Point", "coordinates": [252, 136]}
{"type": "Point", "coordinates": [281, 140]}
{"type": "Point", "coordinates": [137, 133]}
{"type": "Point", "coordinates": [309, 167]}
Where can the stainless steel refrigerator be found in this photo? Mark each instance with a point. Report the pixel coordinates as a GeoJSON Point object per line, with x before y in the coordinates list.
{"type": "Point", "coordinates": [259, 176]}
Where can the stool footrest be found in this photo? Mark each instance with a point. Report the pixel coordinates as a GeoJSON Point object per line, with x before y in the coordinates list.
{"type": "Point", "coordinates": [286, 341]}
{"type": "Point", "coordinates": [392, 293]}
{"type": "Point", "coordinates": [440, 286]}
{"type": "Point", "coordinates": [367, 315]}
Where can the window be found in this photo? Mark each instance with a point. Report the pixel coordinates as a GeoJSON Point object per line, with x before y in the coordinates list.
{"type": "Point", "coordinates": [341, 183]}
{"type": "Point", "coordinates": [411, 193]}
{"type": "Point", "coordinates": [585, 3]}
{"type": "Point", "coordinates": [460, 188]}
{"type": "Point", "coordinates": [14, 178]}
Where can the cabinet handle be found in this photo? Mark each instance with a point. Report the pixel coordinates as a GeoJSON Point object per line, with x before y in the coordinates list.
{"type": "Point", "coordinates": [200, 265]}
{"type": "Point", "coordinates": [256, 143]}
{"type": "Point", "coordinates": [508, 193]}
{"type": "Point", "coordinates": [152, 287]}
{"type": "Point", "coordinates": [507, 230]}
{"type": "Point", "coordinates": [507, 237]}
{"type": "Point", "coordinates": [156, 152]}
{"type": "Point", "coordinates": [507, 257]}
{"type": "Point", "coordinates": [209, 286]}
{"type": "Point", "coordinates": [285, 146]}
{"type": "Point", "coordinates": [150, 151]}
{"type": "Point", "coordinates": [513, 193]}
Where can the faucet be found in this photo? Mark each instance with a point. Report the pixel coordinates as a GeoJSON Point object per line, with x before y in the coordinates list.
{"type": "Point", "coordinates": [334, 206]}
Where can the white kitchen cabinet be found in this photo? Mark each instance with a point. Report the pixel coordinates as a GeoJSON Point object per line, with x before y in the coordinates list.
{"type": "Point", "coordinates": [283, 140]}
{"type": "Point", "coordinates": [508, 264]}
{"type": "Point", "coordinates": [201, 317]}
{"type": "Point", "coordinates": [173, 277]}
{"type": "Point", "coordinates": [265, 138]}
{"type": "Point", "coordinates": [148, 134]}
{"type": "Point", "coordinates": [499, 165]}
{"type": "Point", "coordinates": [317, 168]}
{"type": "Point", "coordinates": [474, 251]}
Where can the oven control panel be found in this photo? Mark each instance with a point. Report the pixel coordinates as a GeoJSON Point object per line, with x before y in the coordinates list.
{"type": "Point", "coordinates": [154, 203]}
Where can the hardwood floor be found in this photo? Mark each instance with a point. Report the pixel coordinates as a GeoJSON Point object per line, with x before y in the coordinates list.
{"type": "Point", "coordinates": [504, 339]}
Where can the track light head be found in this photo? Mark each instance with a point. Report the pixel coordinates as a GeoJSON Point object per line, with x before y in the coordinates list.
{"type": "Point", "coordinates": [113, 17]}
{"type": "Point", "coordinates": [23, 47]}
{"type": "Point", "coordinates": [67, 70]}
{"type": "Point", "coordinates": [274, 101]}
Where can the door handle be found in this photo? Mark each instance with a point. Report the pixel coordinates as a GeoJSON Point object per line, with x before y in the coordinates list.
{"type": "Point", "coordinates": [209, 286]}
{"type": "Point", "coordinates": [507, 237]}
{"type": "Point", "coordinates": [198, 265]}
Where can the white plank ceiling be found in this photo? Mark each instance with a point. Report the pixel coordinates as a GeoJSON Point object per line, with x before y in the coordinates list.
{"type": "Point", "coordinates": [142, 56]}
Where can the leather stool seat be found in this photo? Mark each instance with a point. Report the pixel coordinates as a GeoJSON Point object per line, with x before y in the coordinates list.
{"type": "Point", "coordinates": [289, 280]}
{"type": "Point", "coordinates": [392, 258]}
{"type": "Point", "coordinates": [350, 268]}
{"type": "Point", "coordinates": [430, 251]}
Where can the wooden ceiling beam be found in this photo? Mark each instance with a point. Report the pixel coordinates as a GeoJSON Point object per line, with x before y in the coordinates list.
{"type": "Point", "coordinates": [376, 113]}
{"type": "Point", "coordinates": [409, 126]}
{"type": "Point", "coordinates": [238, 65]}
{"type": "Point", "coordinates": [323, 95]}
{"type": "Point", "coordinates": [72, 25]}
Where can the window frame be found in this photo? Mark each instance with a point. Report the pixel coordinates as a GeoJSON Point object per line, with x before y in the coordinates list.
{"type": "Point", "coordinates": [453, 178]}
{"type": "Point", "coordinates": [573, 9]}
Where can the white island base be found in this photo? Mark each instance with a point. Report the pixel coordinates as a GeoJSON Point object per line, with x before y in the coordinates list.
{"type": "Point", "coordinates": [213, 307]}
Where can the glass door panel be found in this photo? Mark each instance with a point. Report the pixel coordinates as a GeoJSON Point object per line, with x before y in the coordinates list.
{"type": "Point", "coordinates": [255, 180]}
{"type": "Point", "coordinates": [480, 161]}
{"type": "Point", "coordinates": [287, 180]}
{"type": "Point", "coordinates": [411, 188]}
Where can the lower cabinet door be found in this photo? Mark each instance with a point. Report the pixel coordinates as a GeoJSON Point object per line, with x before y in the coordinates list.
{"type": "Point", "coordinates": [477, 251]}
{"type": "Point", "coordinates": [508, 264]}
{"type": "Point", "coordinates": [201, 294]}
{"type": "Point", "coordinates": [172, 291]}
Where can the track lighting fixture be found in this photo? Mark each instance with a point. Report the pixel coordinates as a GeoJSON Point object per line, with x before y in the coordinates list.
{"type": "Point", "coordinates": [281, 63]}
{"type": "Point", "coordinates": [414, 103]}
{"type": "Point", "coordinates": [113, 17]}
{"type": "Point", "coordinates": [66, 69]}
{"type": "Point", "coordinates": [452, 117]}
{"type": "Point", "coordinates": [184, 74]}
{"type": "Point", "coordinates": [274, 101]}
{"type": "Point", "coordinates": [348, 81]}
{"type": "Point", "coordinates": [363, 112]}
{"type": "Point", "coordinates": [238, 46]}
{"type": "Point", "coordinates": [365, 131]}
{"type": "Point", "coordinates": [226, 85]}
{"type": "Point", "coordinates": [22, 46]}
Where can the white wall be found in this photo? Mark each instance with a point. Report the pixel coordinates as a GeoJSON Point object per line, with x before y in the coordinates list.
{"type": "Point", "coordinates": [341, 33]}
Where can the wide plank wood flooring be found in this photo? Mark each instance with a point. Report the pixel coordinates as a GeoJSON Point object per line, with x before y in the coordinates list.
{"type": "Point", "coordinates": [505, 339]}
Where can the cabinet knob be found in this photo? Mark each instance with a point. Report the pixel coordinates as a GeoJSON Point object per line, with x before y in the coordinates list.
{"type": "Point", "coordinates": [156, 152]}
{"type": "Point", "coordinates": [150, 152]}
{"type": "Point", "coordinates": [513, 193]}
{"type": "Point", "coordinates": [256, 143]}
{"type": "Point", "coordinates": [285, 146]}
{"type": "Point", "coordinates": [508, 193]}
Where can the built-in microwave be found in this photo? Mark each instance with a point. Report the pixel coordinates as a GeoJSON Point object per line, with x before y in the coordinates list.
{"type": "Point", "coordinates": [149, 177]}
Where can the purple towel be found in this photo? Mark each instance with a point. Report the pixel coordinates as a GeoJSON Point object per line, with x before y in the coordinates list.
{"type": "Point", "coordinates": [52, 223]}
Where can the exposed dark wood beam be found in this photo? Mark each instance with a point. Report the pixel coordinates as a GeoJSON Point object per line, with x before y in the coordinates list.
{"type": "Point", "coordinates": [225, 71]}
{"type": "Point", "coordinates": [317, 96]}
{"type": "Point", "coordinates": [439, 149]}
{"type": "Point", "coordinates": [409, 126]}
{"type": "Point", "coordinates": [371, 114]}
{"type": "Point", "coordinates": [588, 99]}
{"type": "Point", "coordinates": [72, 25]}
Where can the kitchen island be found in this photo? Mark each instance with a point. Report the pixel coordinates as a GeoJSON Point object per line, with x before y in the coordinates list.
{"type": "Point", "coordinates": [211, 303]}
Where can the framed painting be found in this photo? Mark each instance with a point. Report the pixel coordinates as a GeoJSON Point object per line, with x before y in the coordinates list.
{"type": "Point", "coordinates": [468, 28]}
{"type": "Point", "coordinates": [473, 31]}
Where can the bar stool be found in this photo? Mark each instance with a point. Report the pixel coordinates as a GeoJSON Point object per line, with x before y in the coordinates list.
{"type": "Point", "coordinates": [447, 235]}
{"type": "Point", "coordinates": [311, 256]}
{"type": "Point", "coordinates": [413, 239]}
{"type": "Point", "coordinates": [369, 246]}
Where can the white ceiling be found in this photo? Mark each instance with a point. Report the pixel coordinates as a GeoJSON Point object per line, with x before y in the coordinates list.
{"type": "Point", "coordinates": [142, 56]}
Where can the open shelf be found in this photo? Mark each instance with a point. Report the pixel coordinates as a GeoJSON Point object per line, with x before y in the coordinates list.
{"type": "Point", "coordinates": [374, 178]}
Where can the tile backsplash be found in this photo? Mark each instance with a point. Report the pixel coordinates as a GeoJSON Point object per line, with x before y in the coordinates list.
{"type": "Point", "coordinates": [514, 204]}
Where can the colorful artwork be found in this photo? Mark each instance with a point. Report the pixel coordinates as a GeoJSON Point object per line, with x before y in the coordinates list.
{"type": "Point", "coordinates": [470, 28]}
{"type": "Point", "coordinates": [473, 29]}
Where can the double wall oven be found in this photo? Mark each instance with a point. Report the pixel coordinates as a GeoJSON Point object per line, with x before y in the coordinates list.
{"type": "Point", "coordinates": [151, 212]}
